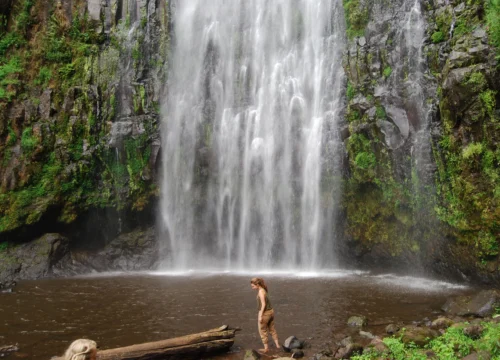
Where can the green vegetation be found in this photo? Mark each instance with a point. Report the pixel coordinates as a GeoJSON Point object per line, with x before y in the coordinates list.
{"type": "Point", "coordinates": [453, 344]}
{"type": "Point", "coordinates": [387, 71]}
{"type": "Point", "coordinates": [365, 160]}
{"type": "Point", "coordinates": [357, 16]}
{"type": "Point", "coordinates": [380, 112]}
{"type": "Point", "coordinates": [9, 72]}
{"type": "Point", "coordinates": [28, 141]}
{"type": "Point", "coordinates": [493, 21]}
{"type": "Point", "coordinates": [65, 160]}
{"type": "Point", "coordinates": [43, 76]}
{"type": "Point", "coordinates": [437, 37]}
{"type": "Point", "coordinates": [351, 91]}
{"type": "Point", "coordinates": [3, 246]}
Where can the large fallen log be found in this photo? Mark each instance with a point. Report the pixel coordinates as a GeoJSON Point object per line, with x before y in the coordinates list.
{"type": "Point", "coordinates": [185, 347]}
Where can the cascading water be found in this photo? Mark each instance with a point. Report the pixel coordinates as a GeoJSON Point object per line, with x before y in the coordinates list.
{"type": "Point", "coordinates": [250, 133]}
{"type": "Point", "coordinates": [417, 88]}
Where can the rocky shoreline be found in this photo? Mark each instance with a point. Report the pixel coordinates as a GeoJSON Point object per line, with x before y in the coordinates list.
{"type": "Point", "coordinates": [469, 329]}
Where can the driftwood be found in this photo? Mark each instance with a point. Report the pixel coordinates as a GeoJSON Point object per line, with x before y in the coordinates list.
{"type": "Point", "coordinates": [184, 347]}
{"type": "Point", "coordinates": [8, 349]}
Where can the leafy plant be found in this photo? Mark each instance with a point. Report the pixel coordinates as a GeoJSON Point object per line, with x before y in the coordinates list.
{"type": "Point", "coordinates": [493, 21]}
{"type": "Point", "coordinates": [387, 72]}
{"type": "Point", "coordinates": [8, 76]}
{"type": "Point", "coordinates": [357, 16]}
{"type": "Point", "coordinates": [437, 37]}
{"type": "Point", "coordinates": [43, 76]}
{"type": "Point", "coordinates": [28, 141]}
{"type": "Point", "coordinates": [351, 91]}
{"type": "Point", "coordinates": [365, 160]}
{"type": "Point", "coordinates": [380, 112]}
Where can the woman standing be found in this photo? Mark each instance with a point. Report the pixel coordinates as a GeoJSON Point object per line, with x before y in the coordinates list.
{"type": "Point", "coordinates": [266, 313]}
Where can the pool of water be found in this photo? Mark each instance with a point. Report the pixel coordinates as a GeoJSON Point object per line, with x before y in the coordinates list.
{"type": "Point", "coordinates": [45, 316]}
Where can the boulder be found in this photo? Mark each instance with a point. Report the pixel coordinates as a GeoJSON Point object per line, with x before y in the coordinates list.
{"type": "Point", "coordinates": [251, 355]}
{"type": "Point", "coordinates": [358, 321]}
{"type": "Point", "coordinates": [348, 351]}
{"type": "Point", "coordinates": [481, 355]}
{"type": "Point", "coordinates": [292, 343]}
{"type": "Point", "coordinates": [391, 329]}
{"type": "Point", "coordinates": [297, 354]}
{"type": "Point", "coordinates": [481, 305]}
{"type": "Point", "coordinates": [132, 251]}
{"type": "Point", "coordinates": [8, 286]}
{"type": "Point", "coordinates": [474, 331]}
{"type": "Point", "coordinates": [441, 323]}
{"type": "Point", "coordinates": [376, 346]}
{"type": "Point", "coordinates": [33, 260]}
{"type": "Point", "coordinates": [419, 336]}
{"type": "Point", "coordinates": [367, 334]}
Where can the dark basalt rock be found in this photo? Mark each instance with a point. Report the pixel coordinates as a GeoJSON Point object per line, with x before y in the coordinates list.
{"type": "Point", "coordinates": [33, 260]}
{"type": "Point", "coordinates": [132, 251]}
{"type": "Point", "coordinates": [481, 305]}
{"type": "Point", "coordinates": [292, 343]}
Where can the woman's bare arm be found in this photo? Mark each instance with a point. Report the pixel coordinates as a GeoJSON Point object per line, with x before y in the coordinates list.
{"type": "Point", "coordinates": [262, 298]}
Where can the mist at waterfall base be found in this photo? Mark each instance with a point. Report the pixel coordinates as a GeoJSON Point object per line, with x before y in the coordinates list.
{"type": "Point", "coordinates": [252, 153]}
{"type": "Point", "coordinates": [45, 316]}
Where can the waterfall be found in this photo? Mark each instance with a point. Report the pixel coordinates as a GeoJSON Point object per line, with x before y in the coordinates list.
{"type": "Point", "coordinates": [417, 91]}
{"type": "Point", "coordinates": [249, 134]}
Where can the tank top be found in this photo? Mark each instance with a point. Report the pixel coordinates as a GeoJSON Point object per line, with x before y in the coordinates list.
{"type": "Point", "coordinates": [268, 303]}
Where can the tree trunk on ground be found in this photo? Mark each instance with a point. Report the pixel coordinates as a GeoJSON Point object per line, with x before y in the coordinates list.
{"type": "Point", "coordinates": [184, 347]}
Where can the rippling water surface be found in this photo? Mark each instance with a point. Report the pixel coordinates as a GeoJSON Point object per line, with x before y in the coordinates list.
{"type": "Point", "coordinates": [44, 316]}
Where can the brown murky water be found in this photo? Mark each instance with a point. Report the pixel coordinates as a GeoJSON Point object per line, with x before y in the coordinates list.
{"type": "Point", "coordinates": [44, 316]}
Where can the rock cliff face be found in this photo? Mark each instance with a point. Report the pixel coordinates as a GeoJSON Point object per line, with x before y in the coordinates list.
{"type": "Point", "coordinates": [422, 125]}
{"type": "Point", "coordinates": [79, 107]}
{"type": "Point", "coordinates": [80, 91]}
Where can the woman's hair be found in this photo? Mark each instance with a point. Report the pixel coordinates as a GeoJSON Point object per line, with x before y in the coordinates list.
{"type": "Point", "coordinates": [80, 349]}
{"type": "Point", "coordinates": [259, 282]}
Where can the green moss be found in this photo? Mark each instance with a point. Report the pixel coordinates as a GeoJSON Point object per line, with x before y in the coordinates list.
{"type": "Point", "coordinates": [473, 149]}
{"type": "Point", "coordinates": [12, 137]}
{"type": "Point", "coordinates": [476, 81]}
{"type": "Point", "coordinates": [28, 141]}
{"type": "Point", "coordinates": [493, 21]}
{"type": "Point", "coordinates": [387, 71]}
{"type": "Point", "coordinates": [351, 91]}
{"type": "Point", "coordinates": [353, 115]}
{"type": "Point", "coordinates": [365, 160]}
{"type": "Point", "coordinates": [488, 99]}
{"type": "Point", "coordinates": [43, 77]}
{"type": "Point", "coordinates": [461, 28]}
{"type": "Point", "coordinates": [444, 20]}
{"type": "Point", "coordinates": [9, 72]}
{"type": "Point", "coordinates": [437, 37]}
{"type": "Point", "coordinates": [380, 112]}
{"type": "Point", "coordinates": [357, 16]}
